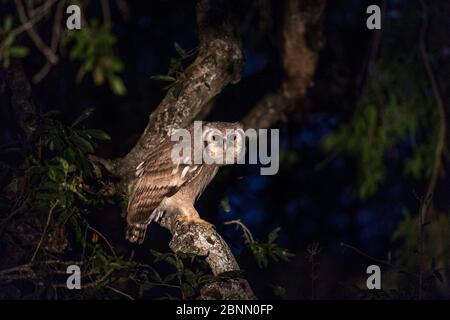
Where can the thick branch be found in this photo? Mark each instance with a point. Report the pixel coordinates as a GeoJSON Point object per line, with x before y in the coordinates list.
{"type": "Point", "coordinates": [46, 51]}
{"type": "Point", "coordinates": [301, 40]}
{"type": "Point", "coordinates": [219, 62]}
{"type": "Point", "coordinates": [201, 239]}
{"type": "Point", "coordinates": [20, 98]}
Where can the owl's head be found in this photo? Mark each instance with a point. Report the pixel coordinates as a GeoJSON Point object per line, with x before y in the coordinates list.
{"type": "Point", "coordinates": [223, 142]}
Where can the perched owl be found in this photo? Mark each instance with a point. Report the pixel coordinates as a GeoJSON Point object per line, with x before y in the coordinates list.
{"type": "Point", "coordinates": [167, 184]}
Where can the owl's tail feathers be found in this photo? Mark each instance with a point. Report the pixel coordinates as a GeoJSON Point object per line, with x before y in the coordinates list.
{"type": "Point", "coordinates": [136, 232]}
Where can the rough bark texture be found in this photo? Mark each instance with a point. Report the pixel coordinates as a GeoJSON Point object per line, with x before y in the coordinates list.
{"type": "Point", "coordinates": [219, 62]}
{"type": "Point", "coordinates": [200, 240]}
{"type": "Point", "coordinates": [20, 98]}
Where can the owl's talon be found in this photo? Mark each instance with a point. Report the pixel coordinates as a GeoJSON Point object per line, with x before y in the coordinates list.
{"type": "Point", "coordinates": [196, 220]}
{"type": "Point", "coordinates": [167, 187]}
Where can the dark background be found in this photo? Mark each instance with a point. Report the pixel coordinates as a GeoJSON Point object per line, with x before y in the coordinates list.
{"type": "Point", "coordinates": [312, 198]}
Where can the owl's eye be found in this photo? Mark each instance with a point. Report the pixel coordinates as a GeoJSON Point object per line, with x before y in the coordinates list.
{"type": "Point", "coordinates": [212, 136]}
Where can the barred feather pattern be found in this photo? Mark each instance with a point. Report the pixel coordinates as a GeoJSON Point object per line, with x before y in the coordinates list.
{"type": "Point", "coordinates": [158, 178]}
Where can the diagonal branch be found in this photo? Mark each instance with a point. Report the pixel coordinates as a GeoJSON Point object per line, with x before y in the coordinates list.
{"type": "Point", "coordinates": [219, 62]}
{"type": "Point", "coordinates": [35, 37]}
{"type": "Point", "coordinates": [301, 40]}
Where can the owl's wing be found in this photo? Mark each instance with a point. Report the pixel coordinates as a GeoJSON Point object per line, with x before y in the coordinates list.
{"type": "Point", "coordinates": [158, 177]}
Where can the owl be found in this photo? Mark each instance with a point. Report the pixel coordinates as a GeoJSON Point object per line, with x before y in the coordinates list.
{"type": "Point", "coordinates": [165, 183]}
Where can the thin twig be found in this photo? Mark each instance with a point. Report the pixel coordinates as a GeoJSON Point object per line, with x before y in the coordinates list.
{"type": "Point", "coordinates": [38, 14]}
{"type": "Point", "coordinates": [28, 268]}
{"type": "Point", "coordinates": [104, 238]}
{"type": "Point", "coordinates": [385, 262]}
{"type": "Point", "coordinates": [46, 51]}
{"type": "Point", "coordinates": [247, 233]}
{"type": "Point", "coordinates": [49, 217]}
{"type": "Point", "coordinates": [441, 112]}
{"type": "Point", "coordinates": [56, 36]}
{"type": "Point", "coordinates": [89, 284]}
{"type": "Point", "coordinates": [120, 292]}
{"type": "Point", "coordinates": [164, 285]}
{"type": "Point", "coordinates": [367, 69]}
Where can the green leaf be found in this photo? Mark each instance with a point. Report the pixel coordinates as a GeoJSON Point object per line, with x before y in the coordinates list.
{"type": "Point", "coordinates": [259, 254]}
{"type": "Point", "coordinates": [53, 173]}
{"type": "Point", "coordinates": [18, 51]}
{"type": "Point", "coordinates": [162, 77]}
{"type": "Point", "coordinates": [179, 265]}
{"type": "Point", "coordinates": [155, 275]}
{"type": "Point", "coordinates": [273, 235]}
{"type": "Point", "coordinates": [64, 165]}
{"type": "Point", "coordinates": [97, 134]}
{"type": "Point", "coordinates": [117, 86]}
{"type": "Point", "coordinates": [82, 143]}
{"type": "Point", "coordinates": [177, 90]}
{"type": "Point", "coordinates": [279, 291]}
{"type": "Point", "coordinates": [86, 113]}
{"type": "Point", "coordinates": [187, 290]}
{"type": "Point", "coordinates": [7, 24]}
{"type": "Point", "coordinates": [225, 203]}
{"type": "Point", "coordinates": [8, 41]}
{"type": "Point", "coordinates": [180, 50]}
{"type": "Point", "coordinates": [52, 113]}
{"type": "Point", "coordinates": [169, 278]}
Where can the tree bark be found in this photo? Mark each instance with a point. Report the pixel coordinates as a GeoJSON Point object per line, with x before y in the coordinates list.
{"type": "Point", "coordinates": [219, 63]}
{"type": "Point", "coordinates": [300, 42]}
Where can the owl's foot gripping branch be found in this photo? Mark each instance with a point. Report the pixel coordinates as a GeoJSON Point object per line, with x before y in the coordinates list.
{"type": "Point", "coordinates": [219, 62]}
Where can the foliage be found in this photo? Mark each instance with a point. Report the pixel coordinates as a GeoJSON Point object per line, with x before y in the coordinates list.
{"type": "Point", "coordinates": [175, 70]}
{"type": "Point", "coordinates": [93, 46]}
{"type": "Point", "coordinates": [188, 276]}
{"type": "Point", "coordinates": [434, 242]}
{"type": "Point", "coordinates": [264, 252]}
{"type": "Point", "coordinates": [65, 190]}
{"type": "Point", "coordinates": [394, 125]}
{"type": "Point", "coordinates": [62, 176]}
{"type": "Point", "coordinates": [391, 113]}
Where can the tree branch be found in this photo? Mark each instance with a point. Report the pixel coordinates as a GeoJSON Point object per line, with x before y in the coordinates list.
{"type": "Point", "coordinates": [46, 51]}
{"type": "Point", "coordinates": [219, 62]}
{"type": "Point", "coordinates": [20, 98]}
{"type": "Point", "coordinates": [301, 40]}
